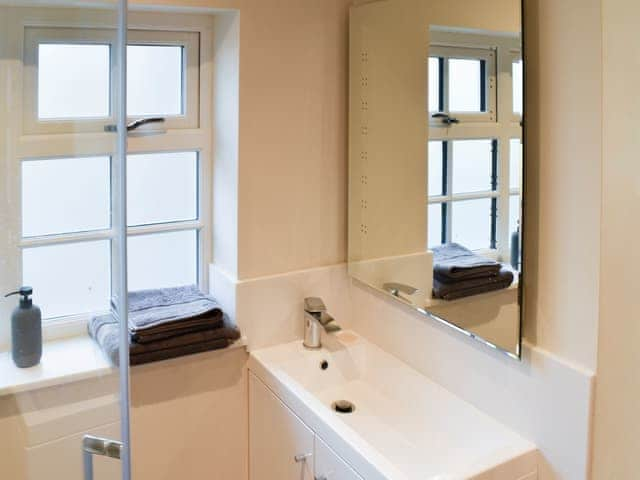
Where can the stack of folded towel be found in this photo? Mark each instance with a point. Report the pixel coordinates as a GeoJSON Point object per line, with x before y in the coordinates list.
{"type": "Point", "coordinates": [459, 273]}
{"type": "Point", "coordinates": [166, 323]}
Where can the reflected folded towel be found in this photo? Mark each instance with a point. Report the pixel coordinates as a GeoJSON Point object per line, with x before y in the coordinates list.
{"type": "Point", "coordinates": [455, 262]}
{"type": "Point", "coordinates": [472, 286]}
{"type": "Point", "coordinates": [167, 310]}
{"type": "Point", "coordinates": [104, 330]}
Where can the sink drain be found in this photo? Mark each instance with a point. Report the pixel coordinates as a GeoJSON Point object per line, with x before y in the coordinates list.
{"type": "Point", "coordinates": [343, 406]}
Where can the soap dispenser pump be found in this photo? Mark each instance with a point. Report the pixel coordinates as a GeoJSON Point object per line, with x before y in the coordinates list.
{"type": "Point", "coordinates": [26, 330]}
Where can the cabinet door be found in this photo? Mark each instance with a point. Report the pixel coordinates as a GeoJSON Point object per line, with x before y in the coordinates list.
{"type": "Point", "coordinates": [280, 445]}
{"type": "Point", "coordinates": [330, 466]}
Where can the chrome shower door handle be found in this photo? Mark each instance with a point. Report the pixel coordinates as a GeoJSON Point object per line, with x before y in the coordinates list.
{"type": "Point", "coordinates": [98, 446]}
{"type": "Point", "coordinates": [302, 457]}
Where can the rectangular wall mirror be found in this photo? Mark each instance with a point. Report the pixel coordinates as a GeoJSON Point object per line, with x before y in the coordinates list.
{"type": "Point", "coordinates": [436, 160]}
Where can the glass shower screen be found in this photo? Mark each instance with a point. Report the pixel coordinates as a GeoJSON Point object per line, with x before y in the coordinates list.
{"type": "Point", "coordinates": [63, 232]}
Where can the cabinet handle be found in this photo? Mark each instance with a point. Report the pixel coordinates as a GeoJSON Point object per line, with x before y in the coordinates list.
{"type": "Point", "coordinates": [302, 457]}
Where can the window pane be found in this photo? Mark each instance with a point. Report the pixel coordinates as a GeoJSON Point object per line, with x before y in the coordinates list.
{"type": "Point", "coordinates": [162, 260]}
{"type": "Point", "coordinates": [471, 223]}
{"type": "Point", "coordinates": [69, 279]}
{"type": "Point", "coordinates": [65, 195]}
{"type": "Point", "coordinates": [162, 187]}
{"type": "Point", "coordinates": [434, 84]}
{"type": "Point", "coordinates": [514, 213]}
{"type": "Point", "coordinates": [472, 166]}
{"type": "Point", "coordinates": [435, 225]}
{"type": "Point", "coordinates": [73, 81]}
{"type": "Point", "coordinates": [516, 72]}
{"type": "Point", "coordinates": [436, 169]}
{"type": "Point", "coordinates": [154, 80]}
{"type": "Point", "coordinates": [515, 163]}
{"type": "Point", "coordinates": [465, 85]}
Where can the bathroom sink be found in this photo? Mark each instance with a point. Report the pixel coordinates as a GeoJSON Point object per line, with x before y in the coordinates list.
{"type": "Point", "coordinates": [402, 425]}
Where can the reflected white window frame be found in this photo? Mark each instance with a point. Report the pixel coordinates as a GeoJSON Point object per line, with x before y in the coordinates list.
{"type": "Point", "coordinates": [445, 52]}
{"type": "Point", "coordinates": [507, 126]}
{"type": "Point", "coordinates": [189, 41]}
{"type": "Point", "coordinates": [85, 140]}
{"type": "Point", "coordinates": [449, 198]}
{"type": "Point", "coordinates": [515, 56]}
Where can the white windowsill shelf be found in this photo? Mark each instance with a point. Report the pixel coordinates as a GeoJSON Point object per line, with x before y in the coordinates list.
{"type": "Point", "coordinates": [64, 361]}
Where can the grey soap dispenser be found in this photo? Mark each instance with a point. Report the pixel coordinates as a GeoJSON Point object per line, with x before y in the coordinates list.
{"type": "Point", "coordinates": [26, 330]}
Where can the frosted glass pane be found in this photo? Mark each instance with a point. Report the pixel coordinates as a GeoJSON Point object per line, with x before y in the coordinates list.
{"type": "Point", "coordinates": [515, 163]}
{"type": "Point", "coordinates": [162, 260]}
{"type": "Point", "coordinates": [162, 187]}
{"type": "Point", "coordinates": [434, 84]}
{"type": "Point", "coordinates": [65, 195]}
{"type": "Point", "coordinates": [435, 225]}
{"type": "Point", "coordinates": [69, 279]}
{"type": "Point", "coordinates": [514, 213]}
{"type": "Point", "coordinates": [154, 80]}
{"type": "Point", "coordinates": [464, 85]}
{"type": "Point", "coordinates": [516, 72]}
{"type": "Point", "coordinates": [471, 223]}
{"type": "Point", "coordinates": [436, 169]}
{"type": "Point", "coordinates": [73, 81]}
{"type": "Point", "coordinates": [472, 166]}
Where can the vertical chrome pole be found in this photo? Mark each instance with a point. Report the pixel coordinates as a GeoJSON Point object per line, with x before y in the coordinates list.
{"type": "Point", "coordinates": [87, 462]}
{"type": "Point", "coordinates": [121, 237]}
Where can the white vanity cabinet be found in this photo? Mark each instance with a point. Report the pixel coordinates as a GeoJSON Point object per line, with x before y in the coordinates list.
{"type": "Point", "coordinates": [329, 466]}
{"type": "Point", "coordinates": [282, 447]}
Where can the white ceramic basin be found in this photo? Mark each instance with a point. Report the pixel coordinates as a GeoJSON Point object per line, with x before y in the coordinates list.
{"type": "Point", "coordinates": [404, 426]}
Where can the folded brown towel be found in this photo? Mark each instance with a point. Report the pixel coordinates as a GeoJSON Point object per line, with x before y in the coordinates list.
{"type": "Point", "coordinates": [105, 331]}
{"type": "Point", "coordinates": [457, 262]}
{"type": "Point", "coordinates": [168, 353]}
{"type": "Point", "coordinates": [143, 337]}
{"type": "Point", "coordinates": [473, 286]}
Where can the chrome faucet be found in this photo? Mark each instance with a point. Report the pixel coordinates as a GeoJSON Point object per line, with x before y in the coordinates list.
{"type": "Point", "coordinates": [315, 318]}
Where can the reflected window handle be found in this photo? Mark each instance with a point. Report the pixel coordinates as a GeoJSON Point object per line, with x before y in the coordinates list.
{"type": "Point", "coordinates": [446, 119]}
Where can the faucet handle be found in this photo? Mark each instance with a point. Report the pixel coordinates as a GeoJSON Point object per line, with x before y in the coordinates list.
{"type": "Point", "coordinates": [395, 288]}
{"type": "Point", "coordinates": [314, 305]}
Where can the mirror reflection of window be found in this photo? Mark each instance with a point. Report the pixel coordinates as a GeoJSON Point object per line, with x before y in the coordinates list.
{"type": "Point", "coordinates": [466, 92]}
{"type": "Point", "coordinates": [474, 182]}
{"type": "Point", "coordinates": [516, 75]}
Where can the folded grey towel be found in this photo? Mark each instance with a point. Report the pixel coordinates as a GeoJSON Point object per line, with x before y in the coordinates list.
{"type": "Point", "coordinates": [104, 330]}
{"type": "Point", "coordinates": [455, 262]}
{"type": "Point", "coordinates": [168, 309]}
{"type": "Point", "coordinates": [472, 286]}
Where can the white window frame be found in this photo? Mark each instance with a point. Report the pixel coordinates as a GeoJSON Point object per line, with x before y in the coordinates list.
{"type": "Point", "coordinates": [28, 139]}
{"type": "Point", "coordinates": [488, 55]}
{"type": "Point", "coordinates": [503, 128]}
{"type": "Point", "coordinates": [34, 36]}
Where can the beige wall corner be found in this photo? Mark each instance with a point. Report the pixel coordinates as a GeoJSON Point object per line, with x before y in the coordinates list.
{"type": "Point", "coordinates": [617, 419]}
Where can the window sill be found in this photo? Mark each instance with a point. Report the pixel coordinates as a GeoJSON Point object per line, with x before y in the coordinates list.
{"type": "Point", "coordinates": [64, 361]}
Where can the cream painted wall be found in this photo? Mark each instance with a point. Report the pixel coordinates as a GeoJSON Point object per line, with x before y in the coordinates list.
{"type": "Point", "coordinates": [563, 148]}
{"type": "Point", "coordinates": [292, 155]}
{"type": "Point", "coordinates": [292, 132]}
{"type": "Point", "coordinates": [617, 419]}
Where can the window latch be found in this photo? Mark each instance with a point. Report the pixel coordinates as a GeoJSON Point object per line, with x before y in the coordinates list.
{"type": "Point", "coordinates": [446, 119]}
{"type": "Point", "coordinates": [136, 124]}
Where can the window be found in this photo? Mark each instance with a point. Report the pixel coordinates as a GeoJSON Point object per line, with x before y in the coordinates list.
{"type": "Point", "coordinates": [69, 73]}
{"type": "Point", "coordinates": [462, 83]}
{"type": "Point", "coordinates": [475, 164]}
{"type": "Point", "coordinates": [66, 198]}
{"type": "Point", "coordinates": [463, 192]}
